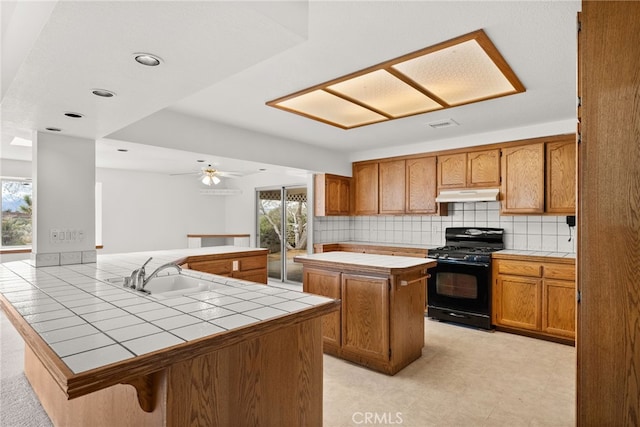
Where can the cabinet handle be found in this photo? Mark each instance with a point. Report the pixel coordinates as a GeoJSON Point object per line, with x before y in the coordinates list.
{"type": "Point", "coordinates": [409, 282]}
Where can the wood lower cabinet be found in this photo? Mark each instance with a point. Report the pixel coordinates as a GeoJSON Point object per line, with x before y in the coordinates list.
{"type": "Point", "coordinates": [332, 195]}
{"type": "Point", "coordinates": [381, 321]}
{"type": "Point", "coordinates": [537, 297]}
{"type": "Point", "coordinates": [328, 284]}
{"type": "Point", "coordinates": [251, 265]}
{"type": "Point", "coordinates": [365, 316]}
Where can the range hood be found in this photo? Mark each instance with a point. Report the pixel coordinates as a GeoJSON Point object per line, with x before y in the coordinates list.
{"type": "Point", "coordinates": [479, 195]}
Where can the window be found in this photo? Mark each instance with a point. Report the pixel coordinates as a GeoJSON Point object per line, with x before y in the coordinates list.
{"type": "Point", "coordinates": [16, 212]}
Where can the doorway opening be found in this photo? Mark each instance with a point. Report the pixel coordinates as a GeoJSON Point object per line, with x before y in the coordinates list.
{"type": "Point", "coordinates": [282, 228]}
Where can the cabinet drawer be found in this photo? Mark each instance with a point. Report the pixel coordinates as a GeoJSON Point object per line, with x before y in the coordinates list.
{"type": "Point", "coordinates": [560, 271]}
{"type": "Point", "coordinates": [221, 267]}
{"type": "Point", "coordinates": [518, 268]}
{"type": "Point", "coordinates": [253, 263]}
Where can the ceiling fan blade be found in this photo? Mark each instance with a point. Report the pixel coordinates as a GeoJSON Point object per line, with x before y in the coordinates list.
{"type": "Point", "coordinates": [229, 174]}
{"type": "Point", "coordinates": [184, 173]}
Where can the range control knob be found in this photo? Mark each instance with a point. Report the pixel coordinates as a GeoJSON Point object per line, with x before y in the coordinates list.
{"type": "Point", "coordinates": [445, 256]}
{"type": "Point", "coordinates": [435, 256]}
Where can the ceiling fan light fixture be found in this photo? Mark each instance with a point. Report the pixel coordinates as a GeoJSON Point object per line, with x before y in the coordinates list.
{"type": "Point", "coordinates": [209, 177]}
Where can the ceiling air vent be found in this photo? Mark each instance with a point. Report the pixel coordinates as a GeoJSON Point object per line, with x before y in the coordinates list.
{"type": "Point", "coordinates": [443, 123]}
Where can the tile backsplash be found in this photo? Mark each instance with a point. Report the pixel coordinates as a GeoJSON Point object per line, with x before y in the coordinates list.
{"type": "Point", "coordinates": [522, 232]}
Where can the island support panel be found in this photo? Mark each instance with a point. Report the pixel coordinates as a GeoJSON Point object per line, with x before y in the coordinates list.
{"type": "Point", "coordinates": [272, 380]}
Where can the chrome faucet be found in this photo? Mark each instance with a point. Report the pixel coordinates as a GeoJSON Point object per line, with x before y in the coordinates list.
{"type": "Point", "coordinates": [136, 280]}
{"type": "Point", "coordinates": [158, 270]}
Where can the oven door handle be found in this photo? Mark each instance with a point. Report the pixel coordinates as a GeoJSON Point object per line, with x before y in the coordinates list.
{"type": "Point", "coordinates": [466, 263]}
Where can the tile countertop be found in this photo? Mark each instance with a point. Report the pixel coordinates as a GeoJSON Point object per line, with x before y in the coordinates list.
{"type": "Point", "coordinates": [89, 322]}
{"type": "Point", "coordinates": [367, 260]}
{"type": "Point", "coordinates": [545, 254]}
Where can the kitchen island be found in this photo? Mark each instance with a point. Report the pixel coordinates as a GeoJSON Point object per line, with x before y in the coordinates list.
{"type": "Point", "coordinates": [381, 321]}
{"type": "Point", "coordinates": [238, 353]}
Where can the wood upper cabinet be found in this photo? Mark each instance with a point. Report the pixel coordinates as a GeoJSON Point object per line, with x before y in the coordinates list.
{"type": "Point", "coordinates": [421, 185]}
{"type": "Point", "coordinates": [332, 195]}
{"type": "Point", "coordinates": [483, 168]}
{"type": "Point", "coordinates": [365, 177]}
{"type": "Point", "coordinates": [365, 316]}
{"type": "Point", "coordinates": [469, 170]}
{"type": "Point", "coordinates": [452, 171]}
{"type": "Point", "coordinates": [535, 297]}
{"type": "Point", "coordinates": [523, 179]}
{"type": "Point", "coordinates": [326, 283]}
{"type": "Point", "coordinates": [561, 176]}
{"type": "Point", "coordinates": [392, 186]}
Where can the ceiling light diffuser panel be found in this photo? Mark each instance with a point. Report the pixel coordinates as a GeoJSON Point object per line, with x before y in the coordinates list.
{"type": "Point", "coordinates": [456, 72]}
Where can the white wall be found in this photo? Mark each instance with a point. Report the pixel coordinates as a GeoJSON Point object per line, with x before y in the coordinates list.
{"type": "Point", "coordinates": [151, 211]}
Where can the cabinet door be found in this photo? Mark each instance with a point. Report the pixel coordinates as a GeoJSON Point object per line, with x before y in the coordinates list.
{"type": "Point", "coordinates": [421, 186]}
{"type": "Point", "coordinates": [365, 177]}
{"type": "Point", "coordinates": [519, 302]}
{"type": "Point", "coordinates": [561, 177]}
{"type": "Point", "coordinates": [559, 308]}
{"type": "Point", "coordinates": [392, 186]}
{"type": "Point", "coordinates": [332, 195]}
{"type": "Point", "coordinates": [452, 171]}
{"type": "Point", "coordinates": [483, 168]}
{"type": "Point", "coordinates": [523, 179]}
{"type": "Point", "coordinates": [365, 316]}
{"type": "Point", "coordinates": [325, 283]}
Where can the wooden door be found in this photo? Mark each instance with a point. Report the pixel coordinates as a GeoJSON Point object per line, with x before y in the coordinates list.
{"type": "Point", "coordinates": [561, 177]}
{"type": "Point", "coordinates": [608, 336]}
{"type": "Point", "coordinates": [392, 186]}
{"type": "Point", "coordinates": [421, 181]}
{"type": "Point", "coordinates": [519, 302]}
{"type": "Point", "coordinates": [559, 308]}
{"type": "Point", "coordinates": [483, 168]}
{"type": "Point", "coordinates": [523, 179]}
{"type": "Point", "coordinates": [452, 171]}
{"type": "Point", "coordinates": [365, 179]}
{"type": "Point", "coordinates": [328, 284]}
{"type": "Point", "coordinates": [365, 316]}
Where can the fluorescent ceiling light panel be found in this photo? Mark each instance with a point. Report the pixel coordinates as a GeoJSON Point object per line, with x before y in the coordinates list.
{"type": "Point", "coordinates": [21, 142]}
{"type": "Point", "coordinates": [386, 93]}
{"type": "Point", "coordinates": [459, 74]}
{"type": "Point", "coordinates": [323, 106]}
{"type": "Point", "coordinates": [466, 69]}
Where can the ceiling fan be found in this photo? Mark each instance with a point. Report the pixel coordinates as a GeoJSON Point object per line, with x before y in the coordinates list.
{"type": "Point", "coordinates": [208, 175]}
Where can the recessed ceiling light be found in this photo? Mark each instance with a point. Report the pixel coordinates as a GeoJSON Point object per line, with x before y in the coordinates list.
{"type": "Point", "coordinates": [21, 142]}
{"type": "Point", "coordinates": [122, 150]}
{"type": "Point", "coordinates": [147, 59]}
{"type": "Point", "coordinates": [54, 129]}
{"type": "Point", "coordinates": [74, 115]}
{"type": "Point", "coordinates": [262, 169]}
{"type": "Point", "coordinates": [200, 161]}
{"type": "Point", "coordinates": [103, 93]}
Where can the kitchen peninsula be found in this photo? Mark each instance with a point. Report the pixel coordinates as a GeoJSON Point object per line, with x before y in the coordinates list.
{"type": "Point", "coordinates": [381, 321]}
{"type": "Point", "coordinates": [238, 353]}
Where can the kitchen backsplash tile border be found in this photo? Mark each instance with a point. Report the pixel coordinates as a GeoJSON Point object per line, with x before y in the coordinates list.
{"type": "Point", "coordinates": [522, 232]}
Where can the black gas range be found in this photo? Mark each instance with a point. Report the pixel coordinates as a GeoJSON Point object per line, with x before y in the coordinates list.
{"type": "Point", "coordinates": [459, 289]}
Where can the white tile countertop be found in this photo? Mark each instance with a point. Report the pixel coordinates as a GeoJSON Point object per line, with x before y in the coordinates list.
{"type": "Point", "coordinates": [89, 322]}
{"type": "Point", "coordinates": [545, 254]}
{"type": "Point", "coordinates": [366, 260]}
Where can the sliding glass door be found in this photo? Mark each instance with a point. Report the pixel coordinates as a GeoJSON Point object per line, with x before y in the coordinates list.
{"type": "Point", "coordinates": [282, 228]}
